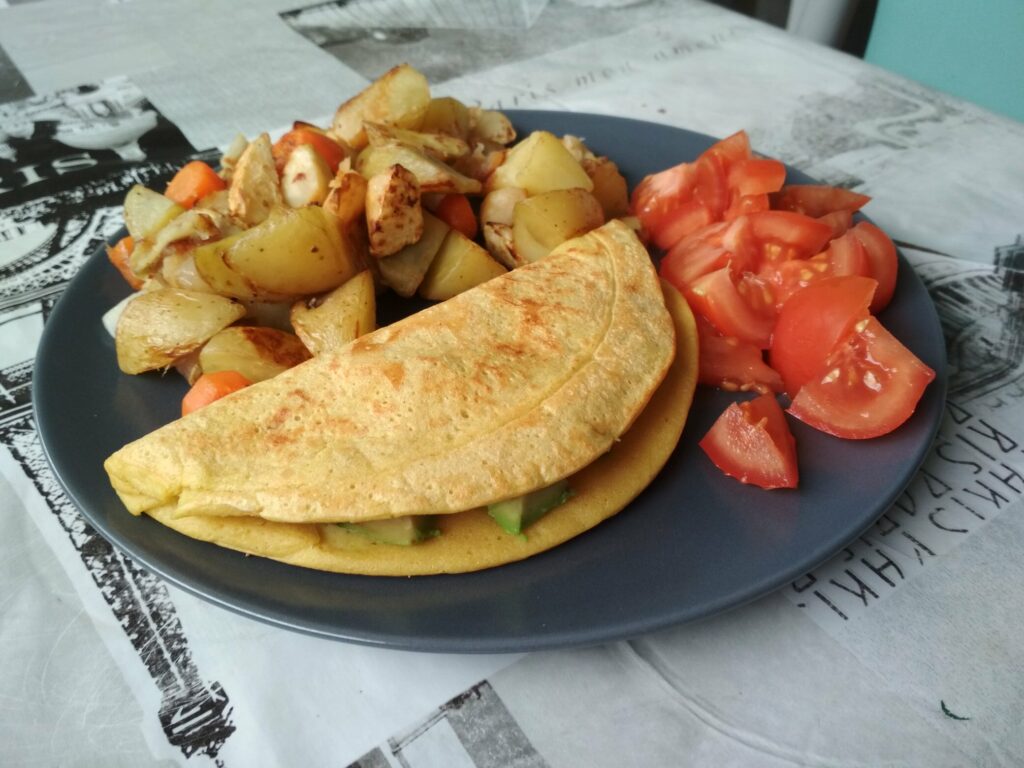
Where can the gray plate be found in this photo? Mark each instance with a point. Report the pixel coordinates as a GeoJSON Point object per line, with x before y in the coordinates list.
{"type": "Point", "coordinates": [693, 544]}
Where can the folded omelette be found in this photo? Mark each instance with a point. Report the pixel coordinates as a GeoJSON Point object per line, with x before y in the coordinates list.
{"type": "Point", "coordinates": [545, 373]}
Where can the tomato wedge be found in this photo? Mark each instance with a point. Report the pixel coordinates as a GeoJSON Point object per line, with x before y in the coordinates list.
{"type": "Point", "coordinates": [784, 235]}
{"type": "Point", "coordinates": [757, 176]}
{"type": "Point", "coordinates": [817, 199]}
{"type": "Point", "coordinates": [883, 263]}
{"type": "Point", "coordinates": [868, 385]}
{"type": "Point", "coordinates": [731, 364]}
{"type": "Point", "coordinates": [812, 322]}
{"type": "Point", "coordinates": [844, 256]}
{"type": "Point", "coordinates": [732, 306]}
{"type": "Point", "coordinates": [840, 221]}
{"type": "Point", "coordinates": [751, 442]}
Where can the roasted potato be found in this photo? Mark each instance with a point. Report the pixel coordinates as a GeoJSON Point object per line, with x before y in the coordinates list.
{"type": "Point", "coordinates": [159, 326]}
{"type": "Point", "coordinates": [431, 173]}
{"type": "Point", "coordinates": [293, 253]}
{"type": "Point", "coordinates": [488, 125]}
{"type": "Point", "coordinates": [549, 219]}
{"type": "Point", "coordinates": [333, 320]}
{"type": "Point", "coordinates": [438, 144]}
{"type": "Point", "coordinates": [306, 177]}
{"type": "Point", "coordinates": [446, 115]}
{"type": "Point", "coordinates": [540, 163]}
{"type": "Point", "coordinates": [189, 228]}
{"type": "Point", "coordinates": [500, 244]}
{"type": "Point", "coordinates": [347, 196]}
{"type": "Point", "coordinates": [394, 216]}
{"type": "Point", "coordinates": [256, 353]}
{"type": "Point", "coordinates": [403, 272]}
{"type": "Point", "coordinates": [609, 186]}
{"type": "Point", "coordinates": [399, 97]}
{"type": "Point", "coordinates": [255, 188]}
{"type": "Point", "coordinates": [459, 265]}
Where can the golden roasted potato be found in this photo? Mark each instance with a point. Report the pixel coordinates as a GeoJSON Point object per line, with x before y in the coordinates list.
{"type": "Point", "coordinates": [488, 125]}
{"type": "Point", "coordinates": [295, 252]}
{"type": "Point", "coordinates": [499, 205]}
{"type": "Point", "coordinates": [577, 148]}
{"type": "Point", "coordinates": [459, 265]}
{"type": "Point", "coordinates": [347, 196]}
{"type": "Point", "coordinates": [403, 272]}
{"type": "Point", "coordinates": [399, 97]}
{"type": "Point", "coordinates": [229, 159]}
{"type": "Point", "coordinates": [159, 326]}
{"type": "Point", "coordinates": [500, 244]}
{"type": "Point", "coordinates": [540, 163]}
{"type": "Point", "coordinates": [147, 212]}
{"type": "Point", "coordinates": [255, 188]}
{"type": "Point", "coordinates": [432, 174]}
{"type": "Point", "coordinates": [256, 353]}
{"type": "Point", "coordinates": [190, 228]}
{"type": "Point", "coordinates": [549, 219]}
{"type": "Point", "coordinates": [306, 177]}
{"type": "Point", "coordinates": [438, 144]}
{"type": "Point", "coordinates": [446, 115]}
{"type": "Point", "coordinates": [484, 159]}
{"type": "Point", "coordinates": [333, 320]}
{"type": "Point", "coordinates": [609, 186]}
{"type": "Point", "coordinates": [394, 216]}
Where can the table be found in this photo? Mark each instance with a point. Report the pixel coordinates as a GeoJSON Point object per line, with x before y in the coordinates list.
{"type": "Point", "coordinates": [902, 650]}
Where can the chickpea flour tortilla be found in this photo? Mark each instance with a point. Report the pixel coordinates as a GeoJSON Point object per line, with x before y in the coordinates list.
{"type": "Point", "coordinates": [523, 381]}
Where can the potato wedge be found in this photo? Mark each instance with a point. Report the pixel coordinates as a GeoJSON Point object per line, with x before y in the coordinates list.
{"type": "Point", "coordinates": [438, 144]}
{"type": "Point", "coordinates": [549, 219]}
{"type": "Point", "coordinates": [484, 159]}
{"type": "Point", "coordinates": [333, 320]}
{"type": "Point", "coordinates": [306, 177]}
{"type": "Point", "coordinates": [191, 227]}
{"type": "Point", "coordinates": [293, 253]}
{"type": "Point", "coordinates": [147, 212]}
{"type": "Point", "coordinates": [500, 244]}
{"type": "Point", "coordinates": [403, 272]}
{"type": "Point", "coordinates": [446, 115]}
{"type": "Point", "coordinates": [432, 174]}
{"type": "Point", "coordinates": [609, 186]}
{"type": "Point", "coordinates": [394, 216]}
{"type": "Point", "coordinates": [256, 353]}
{"type": "Point", "coordinates": [157, 327]}
{"type": "Point", "coordinates": [540, 163]}
{"type": "Point", "coordinates": [459, 265]}
{"type": "Point", "coordinates": [399, 97]}
{"type": "Point", "coordinates": [255, 188]}
{"type": "Point", "coordinates": [488, 125]}
{"type": "Point", "coordinates": [347, 196]}
{"type": "Point", "coordinates": [499, 205]}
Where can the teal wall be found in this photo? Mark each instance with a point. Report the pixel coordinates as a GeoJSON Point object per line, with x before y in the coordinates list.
{"type": "Point", "coordinates": [973, 49]}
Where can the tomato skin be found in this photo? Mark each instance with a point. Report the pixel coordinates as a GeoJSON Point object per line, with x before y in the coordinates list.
{"type": "Point", "coordinates": [844, 256]}
{"type": "Point", "coordinates": [840, 221]}
{"type": "Point", "coordinates": [868, 385]}
{"type": "Point", "coordinates": [680, 223]}
{"type": "Point", "coordinates": [883, 262]}
{"type": "Point", "coordinates": [718, 298]}
{"type": "Point", "coordinates": [751, 442]}
{"type": "Point", "coordinates": [657, 196]}
{"type": "Point", "coordinates": [812, 322]}
{"type": "Point", "coordinates": [733, 365]}
{"type": "Point", "coordinates": [757, 176]}
{"type": "Point", "coordinates": [786, 235]}
{"type": "Point", "coordinates": [817, 199]}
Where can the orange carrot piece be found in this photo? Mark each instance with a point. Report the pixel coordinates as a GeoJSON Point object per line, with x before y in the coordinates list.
{"type": "Point", "coordinates": [455, 211]}
{"type": "Point", "coordinates": [330, 151]}
{"type": "Point", "coordinates": [210, 387]}
{"type": "Point", "coordinates": [192, 183]}
{"type": "Point", "coordinates": [119, 254]}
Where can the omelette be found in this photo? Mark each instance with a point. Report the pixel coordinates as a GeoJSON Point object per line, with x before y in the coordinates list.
{"type": "Point", "coordinates": [579, 367]}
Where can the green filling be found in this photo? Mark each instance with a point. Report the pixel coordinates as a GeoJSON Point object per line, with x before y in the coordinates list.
{"type": "Point", "coordinates": [516, 515]}
{"type": "Point", "coordinates": [396, 530]}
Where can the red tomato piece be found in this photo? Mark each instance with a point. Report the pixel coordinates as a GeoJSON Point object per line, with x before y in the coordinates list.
{"type": "Point", "coordinates": [817, 199]}
{"type": "Point", "coordinates": [683, 221]}
{"type": "Point", "coordinates": [757, 176]}
{"type": "Point", "coordinates": [811, 323]}
{"type": "Point", "coordinates": [881, 254]}
{"type": "Point", "coordinates": [731, 364]}
{"type": "Point", "coordinates": [659, 194]}
{"type": "Point", "coordinates": [844, 256]}
{"type": "Point", "coordinates": [867, 386]}
{"type": "Point", "coordinates": [751, 442]}
{"type": "Point", "coordinates": [730, 150]}
{"type": "Point", "coordinates": [840, 221]}
{"type": "Point", "coordinates": [786, 235]}
{"type": "Point", "coordinates": [732, 306]}
{"type": "Point", "coordinates": [742, 205]}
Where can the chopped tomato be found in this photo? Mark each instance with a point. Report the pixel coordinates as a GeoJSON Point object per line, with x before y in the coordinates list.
{"type": "Point", "coordinates": [867, 386]}
{"type": "Point", "coordinates": [844, 256]}
{"type": "Point", "coordinates": [784, 235]}
{"type": "Point", "coordinates": [811, 323]}
{"type": "Point", "coordinates": [741, 205]}
{"type": "Point", "coordinates": [456, 211]}
{"type": "Point", "coordinates": [192, 183]}
{"type": "Point", "coordinates": [757, 176]}
{"type": "Point", "coordinates": [732, 149]}
{"type": "Point", "coordinates": [840, 221]}
{"type": "Point", "coordinates": [682, 222]}
{"type": "Point", "coordinates": [731, 364]}
{"type": "Point", "coordinates": [817, 199]}
{"type": "Point", "coordinates": [330, 151]}
{"type": "Point", "coordinates": [210, 387]}
{"type": "Point", "coordinates": [882, 261]}
{"type": "Point", "coordinates": [733, 305]}
{"type": "Point", "coordinates": [751, 442]}
{"type": "Point", "coordinates": [658, 195]}
{"type": "Point", "coordinates": [119, 255]}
